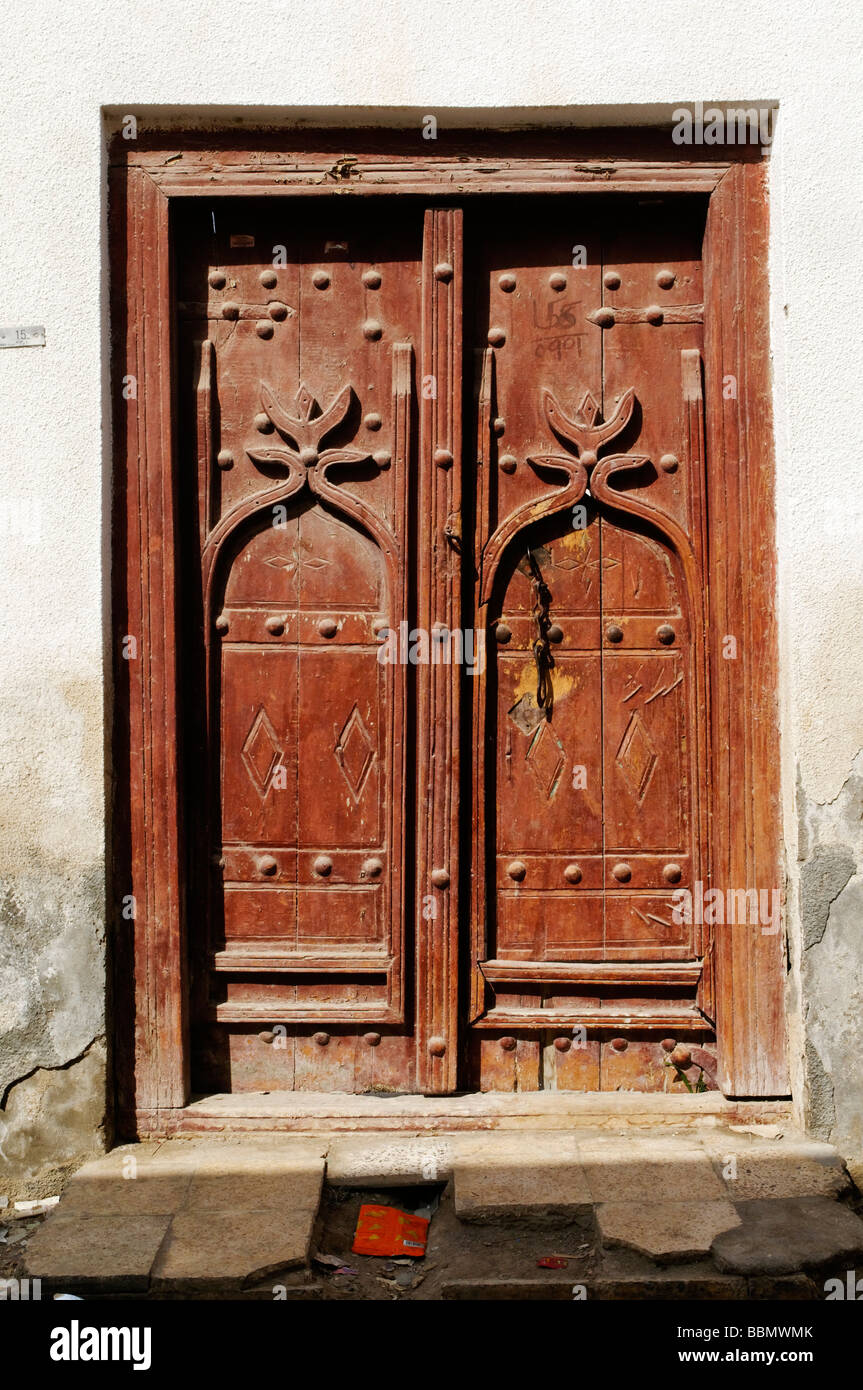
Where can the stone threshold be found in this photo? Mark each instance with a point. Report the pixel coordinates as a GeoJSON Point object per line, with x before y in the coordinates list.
{"type": "Point", "coordinates": [699, 1211]}
{"type": "Point", "coordinates": [334, 1112]}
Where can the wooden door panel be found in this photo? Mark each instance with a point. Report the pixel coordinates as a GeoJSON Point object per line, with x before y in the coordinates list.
{"type": "Point", "coordinates": [258, 750]}
{"type": "Point", "coordinates": [300, 339]}
{"type": "Point", "coordinates": [590, 726]}
{"type": "Point", "coordinates": [343, 755]}
{"type": "Point", "coordinates": [644, 728]}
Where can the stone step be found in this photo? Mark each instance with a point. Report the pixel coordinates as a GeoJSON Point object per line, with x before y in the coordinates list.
{"type": "Point", "coordinates": [183, 1219]}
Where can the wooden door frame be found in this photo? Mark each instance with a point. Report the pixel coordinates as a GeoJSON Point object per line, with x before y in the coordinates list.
{"type": "Point", "coordinates": [150, 997]}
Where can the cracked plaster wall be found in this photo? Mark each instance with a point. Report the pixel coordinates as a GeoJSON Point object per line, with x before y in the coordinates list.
{"type": "Point", "coordinates": [583, 60]}
{"type": "Point", "coordinates": [827, 959]}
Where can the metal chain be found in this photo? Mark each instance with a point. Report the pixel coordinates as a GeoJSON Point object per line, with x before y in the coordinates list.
{"type": "Point", "coordinates": [541, 596]}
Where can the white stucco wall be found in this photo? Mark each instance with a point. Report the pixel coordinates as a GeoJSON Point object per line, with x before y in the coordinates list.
{"type": "Point", "coordinates": [63, 64]}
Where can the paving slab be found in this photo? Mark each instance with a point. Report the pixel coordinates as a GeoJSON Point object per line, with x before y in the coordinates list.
{"type": "Point", "coordinates": [217, 1250]}
{"type": "Point", "coordinates": [272, 1152]}
{"type": "Point", "coordinates": [677, 1286]}
{"type": "Point", "coordinates": [388, 1160]}
{"type": "Point", "coordinates": [665, 1231]}
{"type": "Point", "coordinates": [782, 1287]}
{"type": "Point", "coordinates": [520, 1290]}
{"type": "Point", "coordinates": [784, 1236]}
{"type": "Point", "coordinates": [256, 1189]}
{"type": "Point", "coordinates": [796, 1167]}
{"type": "Point", "coordinates": [648, 1171]}
{"type": "Point", "coordinates": [147, 1193]}
{"type": "Point", "coordinates": [516, 1178]}
{"type": "Point", "coordinates": [85, 1253]}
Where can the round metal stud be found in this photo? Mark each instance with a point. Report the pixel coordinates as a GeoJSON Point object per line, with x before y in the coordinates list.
{"type": "Point", "coordinates": [221, 623]}
{"type": "Point", "coordinates": [654, 314]}
{"type": "Point", "coordinates": [497, 337]}
{"type": "Point", "coordinates": [555, 633]}
{"type": "Point", "coordinates": [266, 864]}
{"type": "Point", "coordinates": [371, 279]}
{"type": "Point", "coordinates": [622, 872]}
{"type": "Point", "coordinates": [225, 459]}
{"type": "Point", "coordinates": [275, 625]}
{"type": "Point", "coordinates": [440, 878]}
{"type": "Point", "coordinates": [672, 873]}
{"type": "Point", "coordinates": [443, 458]}
{"type": "Point", "coordinates": [268, 1036]}
{"type": "Point", "coordinates": [668, 1044]}
{"type": "Point", "coordinates": [517, 869]}
{"type": "Point", "coordinates": [604, 318]}
{"type": "Point", "coordinates": [230, 310]}
{"type": "Point", "coordinates": [681, 1057]}
{"type": "Point", "coordinates": [372, 1039]}
{"type": "Point", "coordinates": [382, 458]}
{"type": "Point", "coordinates": [264, 328]}
{"type": "Point", "coordinates": [217, 279]}
{"type": "Point", "coordinates": [557, 281]}
{"type": "Point", "coordinates": [563, 1044]}
{"type": "Point", "coordinates": [619, 1044]}
{"type": "Point", "coordinates": [499, 425]}
{"type": "Point", "coordinates": [321, 1039]}
{"type": "Point", "coordinates": [263, 423]}
{"type": "Point", "coordinates": [323, 865]}
{"type": "Point", "coordinates": [372, 329]}
{"type": "Point", "coordinates": [611, 280]}
{"type": "Point", "coordinates": [507, 282]}
{"type": "Point", "coordinates": [502, 632]}
{"type": "Point", "coordinates": [508, 1044]}
{"type": "Point", "coordinates": [665, 279]}
{"type": "Point", "coordinates": [443, 271]}
{"type": "Point", "coordinates": [277, 310]}
{"type": "Point", "coordinates": [380, 626]}
{"type": "Point", "coordinates": [508, 463]}
{"type": "Point", "coordinates": [572, 873]}
{"type": "Point", "coordinates": [614, 632]}
{"type": "Point", "coordinates": [268, 279]}
{"type": "Point", "coordinates": [371, 868]}
{"type": "Point", "coordinates": [320, 279]}
{"type": "Point", "coordinates": [669, 463]}
{"type": "Point", "coordinates": [437, 1047]}
{"type": "Point", "coordinates": [328, 627]}
{"type": "Point", "coordinates": [372, 421]}
{"type": "Point", "coordinates": [665, 633]}
{"type": "Point", "coordinates": [309, 456]}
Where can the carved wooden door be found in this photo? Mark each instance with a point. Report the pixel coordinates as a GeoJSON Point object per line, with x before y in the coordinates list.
{"type": "Point", "coordinates": [334, 943]}
{"type": "Point", "coordinates": [590, 734]}
{"type": "Point", "coordinates": [301, 342]}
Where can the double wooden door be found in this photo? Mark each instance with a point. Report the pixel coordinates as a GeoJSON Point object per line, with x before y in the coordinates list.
{"type": "Point", "coordinates": [443, 661]}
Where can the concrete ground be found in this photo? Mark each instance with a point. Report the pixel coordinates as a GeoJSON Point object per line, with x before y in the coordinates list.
{"type": "Point", "coordinates": [708, 1208]}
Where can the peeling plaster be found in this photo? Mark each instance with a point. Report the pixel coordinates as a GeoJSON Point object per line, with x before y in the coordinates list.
{"type": "Point", "coordinates": [830, 962]}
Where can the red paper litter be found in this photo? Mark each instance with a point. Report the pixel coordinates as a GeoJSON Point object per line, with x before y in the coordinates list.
{"type": "Point", "coordinates": [388, 1231]}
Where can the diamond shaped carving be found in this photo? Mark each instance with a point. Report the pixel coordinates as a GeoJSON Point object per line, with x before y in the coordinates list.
{"type": "Point", "coordinates": [261, 752]}
{"type": "Point", "coordinates": [637, 757]}
{"type": "Point", "coordinates": [546, 759]}
{"type": "Point", "coordinates": [355, 753]}
{"type": "Point", "coordinates": [282, 562]}
{"type": "Point", "coordinates": [295, 560]}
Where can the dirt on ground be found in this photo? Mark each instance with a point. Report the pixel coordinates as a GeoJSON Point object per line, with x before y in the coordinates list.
{"type": "Point", "coordinates": [456, 1250]}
